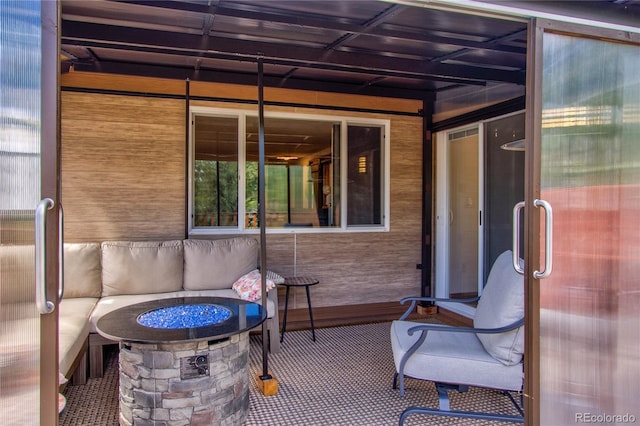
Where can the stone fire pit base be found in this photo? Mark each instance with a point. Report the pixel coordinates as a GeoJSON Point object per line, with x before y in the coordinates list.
{"type": "Point", "coordinates": [152, 391]}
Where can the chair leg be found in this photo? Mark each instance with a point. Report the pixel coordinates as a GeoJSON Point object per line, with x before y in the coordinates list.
{"type": "Point", "coordinates": [445, 409]}
{"type": "Point", "coordinates": [515, 403]}
{"type": "Point", "coordinates": [463, 414]}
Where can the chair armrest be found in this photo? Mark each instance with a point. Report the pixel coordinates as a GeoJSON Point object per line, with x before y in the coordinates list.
{"type": "Point", "coordinates": [437, 327]}
{"type": "Point", "coordinates": [414, 300]}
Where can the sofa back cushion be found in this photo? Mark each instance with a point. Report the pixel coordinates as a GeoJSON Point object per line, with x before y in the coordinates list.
{"type": "Point", "coordinates": [139, 267]}
{"type": "Point", "coordinates": [217, 264]}
{"type": "Point", "coordinates": [82, 272]}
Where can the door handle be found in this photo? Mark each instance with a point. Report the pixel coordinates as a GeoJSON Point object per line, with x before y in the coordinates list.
{"type": "Point", "coordinates": [515, 252]}
{"type": "Point", "coordinates": [43, 305]}
{"type": "Point", "coordinates": [548, 243]}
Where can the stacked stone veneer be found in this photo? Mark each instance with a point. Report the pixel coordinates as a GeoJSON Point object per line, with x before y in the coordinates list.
{"type": "Point", "coordinates": [152, 392]}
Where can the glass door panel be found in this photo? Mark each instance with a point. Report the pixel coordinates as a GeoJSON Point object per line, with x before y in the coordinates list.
{"type": "Point", "coordinates": [19, 194]}
{"type": "Point", "coordinates": [503, 184]}
{"type": "Point", "coordinates": [590, 174]}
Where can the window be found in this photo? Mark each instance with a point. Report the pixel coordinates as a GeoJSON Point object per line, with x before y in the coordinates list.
{"type": "Point", "coordinates": [215, 174]}
{"type": "Point", "coordinates": [365, 202]}
{"type": "Point", "coordinates": [307, 186]}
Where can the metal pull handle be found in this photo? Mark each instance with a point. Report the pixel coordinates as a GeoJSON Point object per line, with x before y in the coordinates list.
{"type": "Point", "coordinates": [60, 254]}
{"type": "Point", "coordinates": [44, 306]}
{"type": "Point", "coordinates": [548, 243]}
{"type": "Point", "coordinates": [516, 238]}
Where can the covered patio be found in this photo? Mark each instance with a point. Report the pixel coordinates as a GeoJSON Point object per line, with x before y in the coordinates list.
{"type": "Point", "coordinates": [161, 108]}
{"type": "Point", "coordinates": [145, 72]}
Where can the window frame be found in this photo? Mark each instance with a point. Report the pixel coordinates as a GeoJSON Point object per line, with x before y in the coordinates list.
{"type": "Point", "coordinates": [241, 116]}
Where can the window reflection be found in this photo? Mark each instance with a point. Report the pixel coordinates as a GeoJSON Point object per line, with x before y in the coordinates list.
{"type": "Point", "coordinates": [299, 164]}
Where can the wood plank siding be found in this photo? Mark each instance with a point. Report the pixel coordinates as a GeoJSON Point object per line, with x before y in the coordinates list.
{"type": "Point", "coordinates": [124, 171]}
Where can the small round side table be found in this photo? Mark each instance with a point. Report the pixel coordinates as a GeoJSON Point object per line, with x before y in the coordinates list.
{"type": "Point", "coordinates": [298, 281]}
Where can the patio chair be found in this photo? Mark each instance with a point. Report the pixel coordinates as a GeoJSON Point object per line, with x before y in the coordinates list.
{"type": "Point", "coordinates": [487, 355]}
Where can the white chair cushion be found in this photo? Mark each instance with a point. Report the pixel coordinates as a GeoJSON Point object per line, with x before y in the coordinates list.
{"type": "Point", "coordinates": [501, 304]}
{"type": "Point", "coordinates": [450, 357]}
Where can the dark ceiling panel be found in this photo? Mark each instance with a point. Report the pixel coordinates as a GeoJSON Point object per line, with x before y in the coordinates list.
{"type": "Point", "coordinates": [149, 40]}
{"type": "Point", "coordinates": [353, 46]}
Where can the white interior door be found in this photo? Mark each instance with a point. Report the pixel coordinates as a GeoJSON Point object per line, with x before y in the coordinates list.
{"type": "Point", "coordinates": [459, 204]}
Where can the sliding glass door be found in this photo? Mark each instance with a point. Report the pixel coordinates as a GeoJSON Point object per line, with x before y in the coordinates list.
{"type": "Point", "coordinates": [28, 164]}
{"type": "Point", "coordinates": [584, 263]}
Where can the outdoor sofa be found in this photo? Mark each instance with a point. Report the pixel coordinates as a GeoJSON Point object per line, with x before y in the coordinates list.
{"type": "Point", "coordinates": [102, 277]}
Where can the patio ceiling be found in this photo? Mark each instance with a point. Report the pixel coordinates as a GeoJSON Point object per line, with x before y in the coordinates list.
{"type": "Point", "coordinates": [370, 47]}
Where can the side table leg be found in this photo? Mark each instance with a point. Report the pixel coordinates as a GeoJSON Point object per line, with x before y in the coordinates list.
{"type": "Point", "coordinates": [313, 330]}
{"type": "Point", "coordinates": [284, 318]}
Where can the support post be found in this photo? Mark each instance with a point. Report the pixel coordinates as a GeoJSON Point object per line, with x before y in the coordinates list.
{"type": "Point", "coordinates": [268, 384]}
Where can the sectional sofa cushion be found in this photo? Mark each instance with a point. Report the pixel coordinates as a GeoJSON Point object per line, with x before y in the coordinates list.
{"type": "Point", "coordinates": [216, 264]}
{"type": "Point", "coordinates": [82, 270]}
{"type": "Point", "coordinates": [73, 329]}
{"type": "Point", "coordinates": [141, 267]}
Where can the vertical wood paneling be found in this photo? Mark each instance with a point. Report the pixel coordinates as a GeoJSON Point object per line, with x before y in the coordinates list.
{"type": "Point", "coordinates": [123, 178]}
{"type": "Point", "coordinates": [122, 167]}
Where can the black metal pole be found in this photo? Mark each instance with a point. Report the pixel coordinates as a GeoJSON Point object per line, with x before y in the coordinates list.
{"type": "Point", "coordinates": [288, 194]}
{"type": "Point", "coordinates": [261, 217]}
{"type": "Point", "coordinates": [218, 195]}
{"type": "Point", "coordinates": [187, 125]}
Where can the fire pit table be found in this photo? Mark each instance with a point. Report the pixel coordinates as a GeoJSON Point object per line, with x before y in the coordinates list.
{"type": "Point", "coordinates": [183, 360]}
